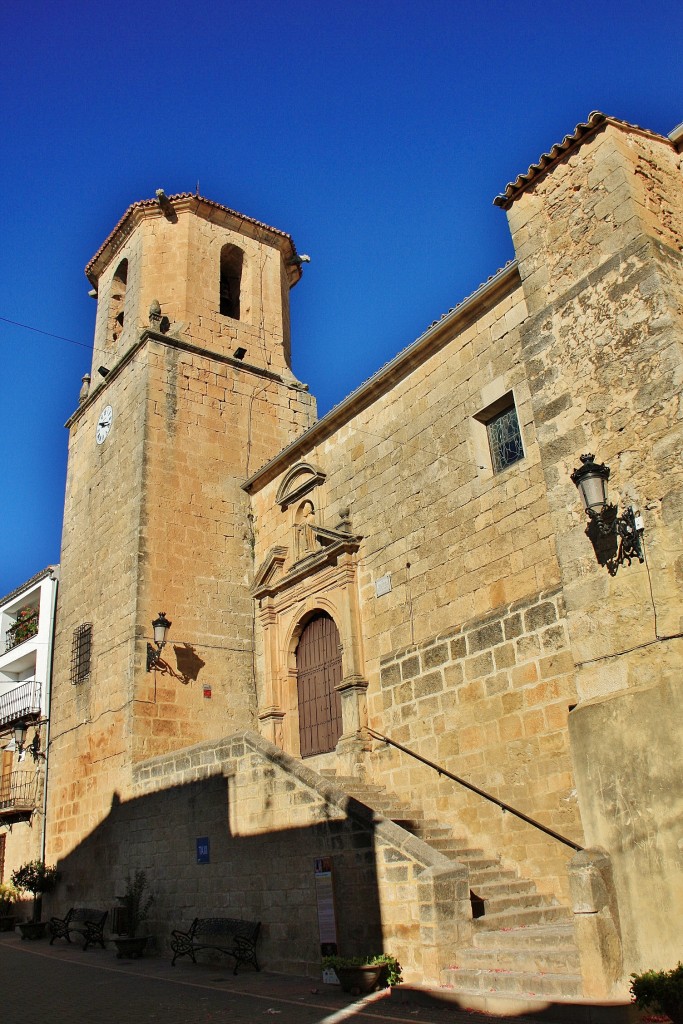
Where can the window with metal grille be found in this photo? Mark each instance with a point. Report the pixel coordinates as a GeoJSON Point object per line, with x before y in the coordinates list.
{"type": "Point", "coordinates": [81, 647]}
{"type": "Point", "coordinates": [499, 431]}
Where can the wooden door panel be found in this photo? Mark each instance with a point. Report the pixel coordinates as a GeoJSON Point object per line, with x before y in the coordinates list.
{"type": "Point", "coordinates": [319, 670]}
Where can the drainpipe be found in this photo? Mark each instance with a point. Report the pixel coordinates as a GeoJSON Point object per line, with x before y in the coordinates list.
{"type": "Point", "coordinates": [48, 701]}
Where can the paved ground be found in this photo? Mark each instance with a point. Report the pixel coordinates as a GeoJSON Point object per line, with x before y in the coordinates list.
{"type": "Point", "coordinates": [43, 984]}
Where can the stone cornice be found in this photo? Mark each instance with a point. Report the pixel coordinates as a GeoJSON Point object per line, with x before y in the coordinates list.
{"type": "Point", "coordinates": [307, 567]}
{"type": "Point", "coordinates": [169, 341]}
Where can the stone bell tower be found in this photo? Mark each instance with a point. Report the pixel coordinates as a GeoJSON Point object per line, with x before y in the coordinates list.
{"type": "Point", "coordinates": [195, 391]}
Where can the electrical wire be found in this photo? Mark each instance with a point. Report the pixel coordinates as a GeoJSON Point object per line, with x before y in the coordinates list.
{"type": "Point", "coordinates": [48, 334]}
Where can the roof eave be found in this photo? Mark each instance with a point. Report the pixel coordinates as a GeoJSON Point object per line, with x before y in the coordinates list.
{"type": "Point", "coordinates": [596, 122]}
{"type": "Point", "coordinates": [183, 201]}
{"type": "Point", "coordinates": [431, 340]}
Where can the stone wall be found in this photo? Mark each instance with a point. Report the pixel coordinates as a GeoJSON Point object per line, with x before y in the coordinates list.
{"type": "Point", "coordinates": [155, 518]}
{"type": "Point", "coordinates": [489, 701]}
{"type": "Point", "coordinates": [603, 350]}
{"type": "Point", "coordinates": [627, 754]}
{"type": "Point", "coordinates": [489, 698]}
{"type": "Point", "coordinates": [267, 818]}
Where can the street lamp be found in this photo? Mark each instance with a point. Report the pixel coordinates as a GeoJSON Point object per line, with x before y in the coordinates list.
{"type": "Point", "coordinates": [160, 627]}
{"type": "Point", "coordinates": [591, 480]}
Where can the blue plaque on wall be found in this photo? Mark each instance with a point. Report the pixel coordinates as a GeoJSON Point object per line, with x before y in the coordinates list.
{"type": "Point", "coordinates": [203, 850]}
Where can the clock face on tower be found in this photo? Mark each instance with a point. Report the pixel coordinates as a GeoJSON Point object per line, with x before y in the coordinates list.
{"type": "Point", "coordinates": [104, 423]}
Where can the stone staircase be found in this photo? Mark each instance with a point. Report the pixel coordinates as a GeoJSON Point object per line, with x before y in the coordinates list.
{"type": "Point", "coordinates": [523, 941]}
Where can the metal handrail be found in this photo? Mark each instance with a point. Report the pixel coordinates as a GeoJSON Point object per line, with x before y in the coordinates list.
{"type": "Point", "coordinates": [479, 792]}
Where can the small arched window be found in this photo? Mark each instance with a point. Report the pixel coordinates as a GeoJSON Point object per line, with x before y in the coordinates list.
{"type": "Point", "coordinates": [232, 259]}
{"type": "Point", "coordinates": [117, 300]}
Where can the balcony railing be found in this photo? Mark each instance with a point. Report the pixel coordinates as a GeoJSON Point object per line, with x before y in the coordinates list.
{"type": "Point", "coordinates": [19, 793]}
{"type": "Point", "coordinates": [22, 701]}
{"type": "Point", "coordinates": [23, 629]}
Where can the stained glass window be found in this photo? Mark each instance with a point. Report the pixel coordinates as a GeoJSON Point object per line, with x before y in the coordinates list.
{"type": "Point", "coordinates": [505, 439]}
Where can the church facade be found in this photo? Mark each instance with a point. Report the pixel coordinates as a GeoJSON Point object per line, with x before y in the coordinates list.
{"type": "Point", "coordinates": [412, 696]}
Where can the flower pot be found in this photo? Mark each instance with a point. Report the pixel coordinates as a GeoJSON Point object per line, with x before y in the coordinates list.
{"type": "Point", "coordinates": [131, 946]}
{"type": "Point", "coordinates": [359, 980]}
{"type": "Point", "coordinates": [33, 929]}
{"type": "Point", "coordinates": [7, 923]}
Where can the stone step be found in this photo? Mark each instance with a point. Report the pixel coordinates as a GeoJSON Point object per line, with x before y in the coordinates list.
{"type": "Point", "coordinates": [530, 960]}
{"type": "Point", "coordinates": [467, 852]}
{"type": "Point", "coordinates": [522, 917]}
{"type": "Point", "coordinates": [516, 900]}
{"type": "Point", "coordinates": [551, 936]}
{"type": "Point", "coordinates": [482, 876]}
{"type": "Point", "coordinates": [523, 945]}
{"type": "Point", "coordinates": [479, 863]}
{"type": "Point", "coordinates": [430, 834]}
{"type": "Point", "coordinates": [491, 889]}
{"type": "Point", "coordinates": [514, 982]}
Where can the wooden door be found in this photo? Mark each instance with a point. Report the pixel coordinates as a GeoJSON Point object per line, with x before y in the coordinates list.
{"type": "Point", "coordinates": [7, 762]}
{"type": "Point", "coordinates": [319, 670]}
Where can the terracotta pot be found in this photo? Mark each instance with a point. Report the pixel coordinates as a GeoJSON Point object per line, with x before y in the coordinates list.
{"type": "Point", "coordinates": [131, 946]}
{"type": "Point", "coordinates": [362, 978]}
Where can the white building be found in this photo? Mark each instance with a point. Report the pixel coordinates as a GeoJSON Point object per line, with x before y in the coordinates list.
{"type": "Point", "coordinates": [26, 632]}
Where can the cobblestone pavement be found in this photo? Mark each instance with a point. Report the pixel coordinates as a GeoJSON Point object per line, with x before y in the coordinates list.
{"type": "Point", "coordinates": [43, 984]}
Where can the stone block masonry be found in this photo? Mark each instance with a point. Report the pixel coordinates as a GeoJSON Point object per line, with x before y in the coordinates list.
{"type": "Point", "coordinates": [267, 818]}
{"type": "Point", "coordinates": [488, 701]}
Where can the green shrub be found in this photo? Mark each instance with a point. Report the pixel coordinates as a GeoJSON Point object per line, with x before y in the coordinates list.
{"type": "Point", "coordinates": [8, 895]}
{"type": "Point", "coordinates": [136, 903]}
{"type": "Point", "coordinates": [35, 877]}
{"type": "Point", "coordinates": [394, 976]}
{"type": "Point", "coordinates": [659, 990]}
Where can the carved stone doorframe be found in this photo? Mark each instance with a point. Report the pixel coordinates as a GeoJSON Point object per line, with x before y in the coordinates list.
{"type": "Point", "coordinates": [323, 582]}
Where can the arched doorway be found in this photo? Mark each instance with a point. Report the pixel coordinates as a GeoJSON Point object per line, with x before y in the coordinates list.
{"type": "Point", "coordinates": [319, 670]}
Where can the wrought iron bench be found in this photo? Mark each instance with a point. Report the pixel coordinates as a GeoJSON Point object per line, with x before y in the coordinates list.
{"type": "Point", "coordinates": [83, 920]}
{"type": "Point", "coordinates": [227, 935]}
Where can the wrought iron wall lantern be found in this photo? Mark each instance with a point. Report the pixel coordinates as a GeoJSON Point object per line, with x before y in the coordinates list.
{"type": "Point", "coordinates": [160, 626]}
{"type": "Point", "coordinates": [591, 480]}
{"type": "Point", "coordinates": [20, 731]}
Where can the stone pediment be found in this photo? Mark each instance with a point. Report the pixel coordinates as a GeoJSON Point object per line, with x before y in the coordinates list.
{"type": "Point", "coordinates": [333, 543]}
{"type": "Point", "coordinates": [270, 569]}
{"type": "Point", "coordinates": [300, 479]}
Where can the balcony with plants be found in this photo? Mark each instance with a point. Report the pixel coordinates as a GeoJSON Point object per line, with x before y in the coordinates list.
{"type": "Point", "coordinates": [23, 628]}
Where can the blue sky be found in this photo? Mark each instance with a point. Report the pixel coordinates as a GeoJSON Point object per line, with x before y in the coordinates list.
{"type": "Point", "coordinates": [376, 133]}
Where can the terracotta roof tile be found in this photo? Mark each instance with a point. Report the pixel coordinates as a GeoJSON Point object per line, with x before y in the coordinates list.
{"type": "Point", "coordinates": [595, 121]}
{"type": "Point", "coordinates": [152, 203]}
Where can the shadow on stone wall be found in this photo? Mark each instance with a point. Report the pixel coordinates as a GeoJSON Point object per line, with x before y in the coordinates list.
{"type": "Point", "coordinates": [268, 877]}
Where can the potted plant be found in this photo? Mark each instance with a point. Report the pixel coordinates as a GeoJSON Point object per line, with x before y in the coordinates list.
{"type": "Point", "coordinates": [137, 902]}
{"type": "Point", "coordinates": [360, 974]}
{"type": "Point", "coordinates": [37, 878]}
{"type": "Point", "coordinates": [25, 626]}
{"type": "Point", "coordinates": [660, 990]}
{"type": "Point", "coordinates": [8, 897]}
